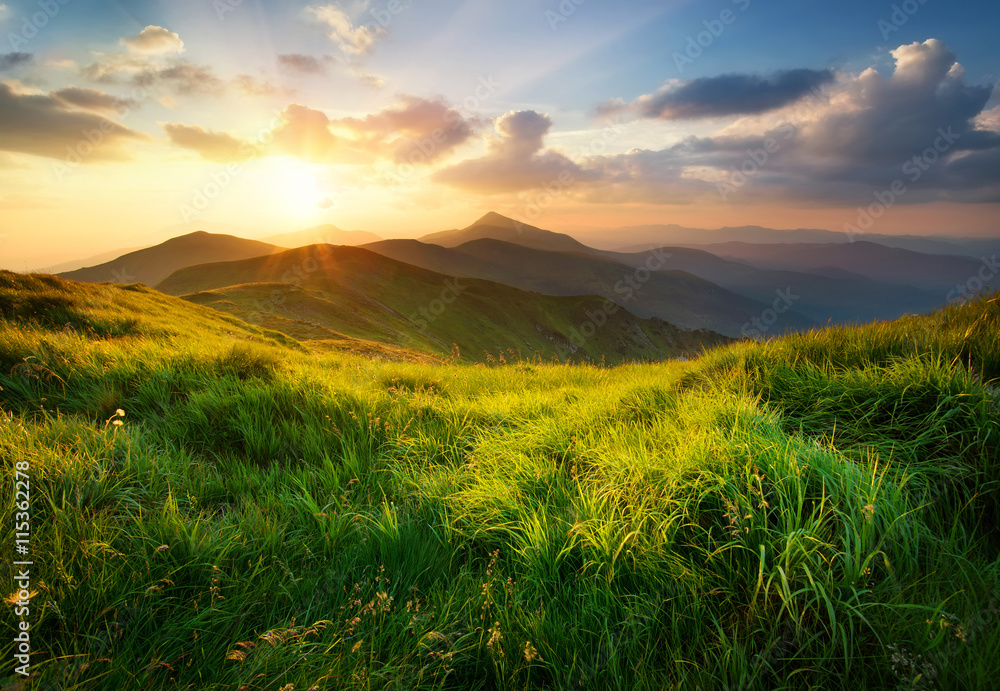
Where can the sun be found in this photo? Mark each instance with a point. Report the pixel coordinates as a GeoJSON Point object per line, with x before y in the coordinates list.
{"type": "Point", "coordinates": [289, 187]}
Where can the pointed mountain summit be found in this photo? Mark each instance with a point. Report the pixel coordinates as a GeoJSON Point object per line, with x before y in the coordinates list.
{"type": "Point", "coordinates": [153, 264]}
{"type": "Point", "coordinates": [494, 226]}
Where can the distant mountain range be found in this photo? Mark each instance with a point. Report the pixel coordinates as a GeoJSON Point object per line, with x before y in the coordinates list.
{"type": "Point", "coordinates": [322, 235]}
{"type": "Point", "coordinates": [643, 237]}
{"type": "Point", "coordinates": [153, 264]}
{"type": "Point", "coordinates": [529, 288]}
{"type": "Point", "coordinates": [678, 297]}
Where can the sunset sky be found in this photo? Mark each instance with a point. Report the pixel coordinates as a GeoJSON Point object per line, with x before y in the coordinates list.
{"type": "Point", "coordinates": [122, 123]}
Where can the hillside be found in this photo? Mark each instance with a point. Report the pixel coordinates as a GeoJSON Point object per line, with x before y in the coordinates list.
{"type": "Point", "coordinates": [494, 226]}
{"type": "Point", "coordinates": [214, 506]}
{"type": "Point", "coordinates": [365, 295]}
{"type": "Point", "coordinates": [674, 296]}
{"type": "Point", "coordinates": [151, 265]}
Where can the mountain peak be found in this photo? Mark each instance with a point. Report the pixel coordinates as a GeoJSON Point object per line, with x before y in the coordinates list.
{"type": "Point", "coordinates": [492, 218]}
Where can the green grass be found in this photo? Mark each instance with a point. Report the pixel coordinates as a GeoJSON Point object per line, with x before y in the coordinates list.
{"type": "Point", "coordinates": [814, 512]}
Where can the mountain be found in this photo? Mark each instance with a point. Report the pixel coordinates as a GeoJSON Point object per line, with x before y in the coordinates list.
{"type": "Point", "coordinates": [153, 264]}
{"type": "Point", "coordinates": [493, 226]}
{"type": "Point", "coordinates": [643, 237]}
{"type": "Point", "coordinates": [837, 295]}
{"type": "Point", "coordinates": [327, 292]}
{"type": "Point", "coordinates": [675, 296]}
{"type": "Point", "coordinates": [937, 273]}
{"type": "Point", "coordinates": [89, 261]}
{"type": "Point", "coordinates": [327, 234]}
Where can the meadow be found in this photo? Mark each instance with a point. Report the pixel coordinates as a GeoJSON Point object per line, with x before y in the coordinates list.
{"type": "Point", "coordinates": [218, 506]}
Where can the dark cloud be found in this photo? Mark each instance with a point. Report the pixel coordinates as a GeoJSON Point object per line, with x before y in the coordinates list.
{"type": "Point", "coordinates": [9, 61]}
{"type": "Point", "coordinates": [183, 77]}
{"type": "Point", "coordinates": [43, 125]}
{"type": "Point", "coordinates": [93, 99]}
{"type": "Point", "coordinates": [731, 94]}
{"type": "Point", "coordinates": [303, 64]}
{"type": "Point", "coordinates": [922, 124]}
{"type": "Point", "coordinates": [214, 146]}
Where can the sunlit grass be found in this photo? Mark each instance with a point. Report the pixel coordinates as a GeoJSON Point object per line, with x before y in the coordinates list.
{"type": "Point", "coordinates": [817, 511]}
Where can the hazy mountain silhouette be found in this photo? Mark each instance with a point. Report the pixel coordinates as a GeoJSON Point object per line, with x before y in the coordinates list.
{"type": "Point", "coordinates": [496, 227]}
{"type": "Point", "coordinates": [639, 238]}
{"type": "Point", "coordinates": [153, 264]}
{"type": "Point", "coordinates": [326, 234]}
{"type": "Point", "coordinates": [885, 264]}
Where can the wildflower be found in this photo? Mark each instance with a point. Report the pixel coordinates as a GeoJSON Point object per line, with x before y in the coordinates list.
{"type": "Point", "coordinates": [530, 653]}
{"type": "Point", "coordinates": [868, 511]}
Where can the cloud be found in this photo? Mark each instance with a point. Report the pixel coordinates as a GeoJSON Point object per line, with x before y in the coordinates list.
{"type": "Point", "coordinates": [214, 146]}
{"type": "Point", "coordinates": [302, 64]}
{"type": "Point", "coordinates": [349, 38]}
{"type": "Point", "coordinates": [415, 131]}
{"type": "Point", "coordinates": [111, 69]}
{"type": "Point", "coordinates": [92, 99]}
{"type": "Point", "coordinates": [515, 159]}
{"type": "Point", "coordinates": [4, 11]}
{"type": "Point", "coordinates": [154, 40]}
{"type": "Point", "coordinates": [65, 64]}
{"type": "Point", "coordinates": [922, 124]}
{"type": "Point", "coordinates": [305, 133]}
{"type": "Point", "coordinates": [9, 61]}
{"type": "Point", "coordinates": [183, 77]}
{"type": "Point", "coordinates": [251, 86]}
{"type": "Point", "coordinates": [731, 94]}
{"type": "Point", "coordinates": [43, 125]}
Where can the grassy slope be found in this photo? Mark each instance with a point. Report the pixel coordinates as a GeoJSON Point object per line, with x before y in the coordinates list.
{"type": "Point", "coordinates": [364, 295]}
{"type": "Point", "coordinates": [819, 511]}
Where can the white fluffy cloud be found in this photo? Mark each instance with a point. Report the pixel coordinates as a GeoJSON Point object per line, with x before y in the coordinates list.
{"type": "Point", "coordinates": [351, 39]}
{"type": "Point", "coordinates": [154, 40]}
{"type": "Point", "coordinates": [515, 159]}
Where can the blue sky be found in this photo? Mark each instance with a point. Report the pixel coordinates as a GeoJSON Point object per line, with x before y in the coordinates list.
{"type": "Point", "coordinates": [615, 99]}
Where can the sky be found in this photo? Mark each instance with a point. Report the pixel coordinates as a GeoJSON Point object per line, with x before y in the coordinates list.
{"type": "Point", "coordinates": [125, 123]}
